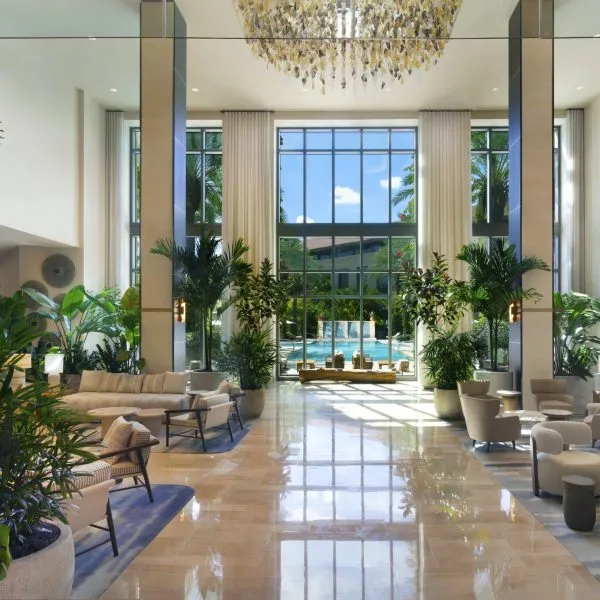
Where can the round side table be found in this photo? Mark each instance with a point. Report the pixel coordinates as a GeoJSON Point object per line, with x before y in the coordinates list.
{"type": "Point", "coordinates": [579, 502]}
{"type": "Point", "coordinates": [510, 399]}
{"type": "Point", "coordinates": [557, 414]}
{"type": "Point", "coordinates": [108, 415]}
{"type": "Point", "coordinates": [152, 418]}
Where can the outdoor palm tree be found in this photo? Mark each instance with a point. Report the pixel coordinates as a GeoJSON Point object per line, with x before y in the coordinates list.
{"type": "Point", "coordinates": [498, 193]}
{"type": "Point", "coordinates": [197, 175]}
{"type": "Point", "coordinates": [207, 272]}
{"type": "Point", "coordinates": [406, 193]}
{"type": "Point", "coordinates": [495, 283]}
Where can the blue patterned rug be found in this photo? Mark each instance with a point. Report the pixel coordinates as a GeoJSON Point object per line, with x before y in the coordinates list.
{"type": "Point", "coordinates": [512, 470]}
{"type": "Point", "coordinates": [137, 523]}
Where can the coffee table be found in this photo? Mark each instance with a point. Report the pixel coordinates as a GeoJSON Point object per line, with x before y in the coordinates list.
{"type": "Point", "coordinates": [152, 418]}
{"type": "Point", "coordinates": [108, 415]}
{"type": "Point", "coordinates": [531, 416]}
{"type": "Point", "coordinates": [557, 414]}
{"type": "Point", "coordinates": [510, 399]}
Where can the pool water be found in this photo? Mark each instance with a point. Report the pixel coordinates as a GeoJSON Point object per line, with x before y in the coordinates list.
{"type": "Point", "coordinates": [321, 350]}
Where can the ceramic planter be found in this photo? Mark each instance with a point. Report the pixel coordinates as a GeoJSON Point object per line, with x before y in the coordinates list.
{"type": "Point", "coordinates": [447, 404]}
{"type": "Point", "coordinates": [252, 404]}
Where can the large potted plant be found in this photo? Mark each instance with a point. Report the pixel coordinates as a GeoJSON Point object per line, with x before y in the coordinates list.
{"type": "Point", "coordinates": [250, 354]}
{"type": "Point", "coordinates": [576, 348]}
{"type": "Point", "coordinates": [495, 284]}
{"type": "Point", "coordinates": [205, 273]}
{"type": "Point", "coordinates": [40, 443]}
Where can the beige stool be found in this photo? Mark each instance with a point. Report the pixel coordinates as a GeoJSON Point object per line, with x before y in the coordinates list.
{"type": "Point", "coordinates": [108, 415]}
{"type": "Point", "coordinates": [152, 418]}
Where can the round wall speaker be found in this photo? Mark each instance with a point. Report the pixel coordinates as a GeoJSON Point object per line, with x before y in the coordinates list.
{"type": "Point", "coordinates": [34, 285]}
{"type": "Point", "coordinates": [38, 322]}
{"type": "Point", "coordinates": [49, 340]}
{"type": "Point", "coordinates": [58, 270]}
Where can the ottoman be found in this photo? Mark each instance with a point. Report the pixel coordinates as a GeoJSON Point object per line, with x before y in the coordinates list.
{"type": "Point", "coordinates": [579, 502]}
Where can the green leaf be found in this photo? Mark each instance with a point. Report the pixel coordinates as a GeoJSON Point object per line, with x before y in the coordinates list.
{"type": "Point", "coordinates": [73, 301]}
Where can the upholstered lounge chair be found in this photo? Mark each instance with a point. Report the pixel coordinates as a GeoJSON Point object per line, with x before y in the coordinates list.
{"type": "Point", "coordinates": [551, 394]}
{"type": "Point", "coordinates": [476, 389]}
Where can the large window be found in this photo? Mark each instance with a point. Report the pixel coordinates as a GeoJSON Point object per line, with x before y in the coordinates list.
{"type": "Point", "coordinates": [204, 176]}
{"type": "Point", "coordinates": [347, 222]}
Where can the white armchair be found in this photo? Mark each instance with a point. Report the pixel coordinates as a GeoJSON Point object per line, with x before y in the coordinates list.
{"type": "Point", "coordinates": [552, 460]}
{"type": "Point", "coordinates": [551, 393]}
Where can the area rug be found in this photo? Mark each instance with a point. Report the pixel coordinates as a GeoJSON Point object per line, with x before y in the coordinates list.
{"type": "Point", "coordinates": [137, 523]}
{"type": "Point", "coordinates": [216, 443]}
{"type": "Point", "coordinates": [512, 470]}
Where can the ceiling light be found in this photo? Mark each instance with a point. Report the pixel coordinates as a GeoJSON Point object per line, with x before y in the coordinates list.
{"type": "Point", "coordinates": [579, 87]}
{"type": "Point", "coordinates": [195, 90]}
{"type": "Point", "coordinates": [113, 90]}
{"type": "Point", "coordinates": [92, 39]}
{"type": "Point", "coordinates": [597, 35]}
{"type": "Point", "coordinates": [495, 89]}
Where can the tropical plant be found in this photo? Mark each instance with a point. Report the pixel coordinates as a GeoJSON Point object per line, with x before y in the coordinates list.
{"type": "Point", "coordinates": [40, 442]}
{"type": "Point", "coordinates": [79, 314]}
{"type": "Point", "coordinates": [248, 357]}
{"type": "Point", "coordinates": [207, 273]}
{"type": "Point", "coordinates": [450, 357]}
{"type": "Point", "coordinates": [495, 284]}
{"type": "Point", "coordinates": [481, 329]}
{"type": "Point", "coordinates": [406, 193]}
{"type": "Point", "coordinates": [576, 349]}
{"type": "Point", "coordinates": [204, 179]}
{"type": "Point", "coordinates": [498, 187]}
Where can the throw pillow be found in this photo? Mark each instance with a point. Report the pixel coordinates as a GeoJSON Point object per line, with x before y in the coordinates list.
{"type": "Point", "coordinates": [110, 382]}
{"type": "Point", "coordinates": [153, 384]}
{"type": "Point", "coordinates": [90, 381]}
{"type": "Point", "coordinates": [174, 383]}
{"type": "Point", "coordinates": [130, 384]}
{"type": "Point", "coordinates": [116, 438]}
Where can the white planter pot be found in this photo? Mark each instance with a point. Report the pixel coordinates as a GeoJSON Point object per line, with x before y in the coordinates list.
{"type": "Point", "coordinates": [581, 390]}
{"type": "Point", "coordinates": [252, 404]}
{"type": "Point", "coordinates": [499, 380]}
{"type": "Point", "coordinates": [206, 380]}
{"type": "Point", "coordinates": [45, 575]}
{"type": "Point", "coordinates": [447, 404]}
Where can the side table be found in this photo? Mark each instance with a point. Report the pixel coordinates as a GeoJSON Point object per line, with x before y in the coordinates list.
{"type": "Point", "coordinates": [557, 414]}
{"type": "Point", "coordinates": [510, 399]}
{"type": "Point", "coordinates": [108, 415]}
{"type": "Point", "coordinates": [579, 502]}
{"type": "Point", "coordinates": [152, 418]}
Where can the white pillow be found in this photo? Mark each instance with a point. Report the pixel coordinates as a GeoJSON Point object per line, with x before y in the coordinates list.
{"type": "Point", "coordinates": [174, 383]}
{"type": "Point", "coordinates": [110, 382]}
{"type": "Point", "coordinates": [153, 384]}
{"type": "Point", "coordinates": [224, 387]}
{"type": "Point", "coordinates": [130, 384]}
{"type": "Point", "coordinates": [90, 381]}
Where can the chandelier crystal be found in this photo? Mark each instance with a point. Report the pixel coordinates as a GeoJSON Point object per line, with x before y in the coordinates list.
{"type": "Point", "coordinates": [340, 40]}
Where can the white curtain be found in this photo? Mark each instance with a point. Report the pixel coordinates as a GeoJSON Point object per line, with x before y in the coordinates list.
{"type": "Point", "coordinates": [249, 182]}
{"type": "Point", "coordinates": [117, 200]}
{"type": "Point", "coordinates": [444, 186]}
{"type": "Point", "coordinates": [572, 203]}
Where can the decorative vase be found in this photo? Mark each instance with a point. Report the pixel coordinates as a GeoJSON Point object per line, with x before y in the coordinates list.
{"type": "Point", "coordinates": [44, 575]}
{"type": "Point", "coordinates": [252, 404]}
{"type": "Point", "coordinates": [447, 404]}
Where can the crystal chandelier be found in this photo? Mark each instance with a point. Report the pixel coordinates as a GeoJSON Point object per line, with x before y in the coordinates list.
{"type": "Point", "coordinates": [372, 40]}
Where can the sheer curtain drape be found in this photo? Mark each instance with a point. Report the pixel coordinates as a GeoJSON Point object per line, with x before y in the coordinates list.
{"type": "Point", "coordinates": [117, 200]}
{"type": "Point", "coordinates": [572, 203]}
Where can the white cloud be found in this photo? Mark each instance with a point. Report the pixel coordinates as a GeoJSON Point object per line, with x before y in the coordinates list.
{"type": "Point", "coordinates": [346, 195]}
{"type": "Point", "coordinates": [300, 219]}
{"type": "Point", "coordinates": [396, 183]}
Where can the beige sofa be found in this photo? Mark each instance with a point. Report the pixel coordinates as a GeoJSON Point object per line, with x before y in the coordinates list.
{"type": "Point", "coordinates": [99, 389]}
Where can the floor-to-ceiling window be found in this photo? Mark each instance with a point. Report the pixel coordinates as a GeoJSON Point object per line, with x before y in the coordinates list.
{"type": "Point", "coordinates": [347, 222]}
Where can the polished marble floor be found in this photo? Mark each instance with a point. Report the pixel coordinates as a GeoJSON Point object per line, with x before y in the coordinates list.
{"type": "Point", "coordinates": [351, 492]}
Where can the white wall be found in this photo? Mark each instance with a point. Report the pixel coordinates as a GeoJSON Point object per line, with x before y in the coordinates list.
{"type": "Point", "coordinates": [9, 272]}
{"type": "Point", "coordinates": [592, 198]}
{"type": "Point", "coordinates": [38, 157]}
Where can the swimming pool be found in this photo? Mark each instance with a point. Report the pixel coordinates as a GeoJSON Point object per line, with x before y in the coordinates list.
{"type": "Point", "coordinates": [319, 350]}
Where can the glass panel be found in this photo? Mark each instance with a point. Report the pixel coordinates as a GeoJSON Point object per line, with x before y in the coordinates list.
{"type": "Point", "coordinates": [135, 260]}
{"type": "Point", "coordinates": [291, 188]}
{"type": "Point", "coordinates": [291, 329]}
{"type": "Point", "coordinates": [194, 140]}
{"type": "Point", "coordinates": [318, 188]}
{"type": "Point", "coordinates": [319, 332]}
{"type": "Point", "coordinates": [194, 188]}
{"type": "Point", "coordinates": [213, 209]}
{"type": "Point", "coordinates": [319, 254]}
{"type": "Point", "coordinates": [375, 318]}
{"type": "Point", "coordinates": [479, 187]}
{"type": "Point", "coordinates": [375, 254]}
{"type": "Point", "coordinates": [403, 139]}
{"type": "Point", "coordinates": [376, 188]}
{"type": "Point", "coordinates": [374, 139]}
{"type": "Point", "coordinates": [499, 139]}
{"type": "Point", "coordinates": [347, 253]}
{"type": "Point", "coordinates": [291, 254]}
{"type": "Point", "coordinates": [291, 139]}
{"type": "Point", "coordinates": [499, 188]}
{"type": "Point", "coordinates": [556, 138]}
{"type": "Point", "coordinates": [557, 182]}
{"type": "Point", "coordinates": [136, 139]}
{"type": "Point", "coordinates": [347, 188]}
{"type": "Point", "coordinates": [376, 284]}
{"type": "Point", "coordinates": [137, 186]}
{"type": "Point", "coordinates": [318, 139]}
{"type": "Point", "coordinates": [347, 283]}
{"type": "Point", "coordinates": [347, 329]}
{"type": "Point", "coordinates": [403, 251]}
{"type": "Point", "coordinates": [214, 140]}
{"type": "Point", "coordinates": [377, 555]}
{"type": "Point", "coordinates": [479, 139]}
{"type": "Point", "coordinates": [348, 559]}
{"type": "Point", "coordinates": [403, 188]}
{"type": "Point", "coordinates": [318, 284]}
{"type": "Point", "coordinates": [319, 568]}
{"type": "Point", "coordinates": [347, 139]}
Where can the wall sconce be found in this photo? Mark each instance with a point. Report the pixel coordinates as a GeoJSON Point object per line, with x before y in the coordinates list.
{"type": "Point", "coordinates": [514, 312]}
{"type": "Point", "coordinates": [179, 310]}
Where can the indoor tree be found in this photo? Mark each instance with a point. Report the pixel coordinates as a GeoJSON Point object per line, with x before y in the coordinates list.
{"type": "Point", "coordinates": [495, 284]}
{"type": "Point", "coordinates": [207, 271]}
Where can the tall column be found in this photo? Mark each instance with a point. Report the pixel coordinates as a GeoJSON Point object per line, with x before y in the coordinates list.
{"type": "Point", "coordinates": [531, 219]}
{"type": "Point", "coordinates": [163, 146]}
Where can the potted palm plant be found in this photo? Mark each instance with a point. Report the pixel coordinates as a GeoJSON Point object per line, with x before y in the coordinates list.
{"type": "Point", "coordinates": [207, 271]}
{"type": "Point", "coordinates": [40, 443]}
{"type": "Point", "coordinates": [495, 284]}
{"type": "Point", "coordinates": [250, 354]}
{"type": "Point", "coordinates": [576, 348]}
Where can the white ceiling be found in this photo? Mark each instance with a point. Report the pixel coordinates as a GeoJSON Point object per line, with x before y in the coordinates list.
{"type": "Point", "coordinates": [228, 76]}
{"type": "Point", "coordinates": [11, 238]}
